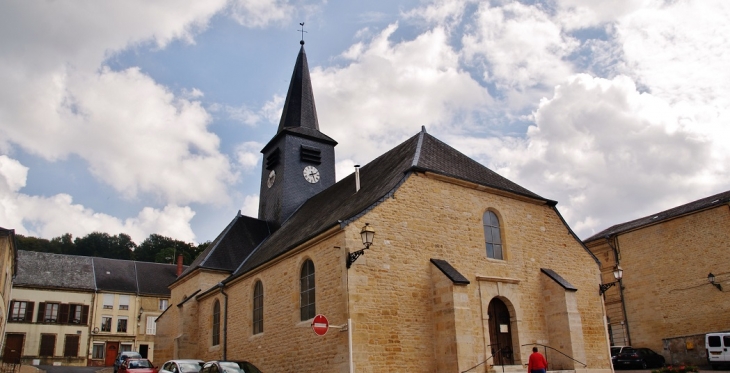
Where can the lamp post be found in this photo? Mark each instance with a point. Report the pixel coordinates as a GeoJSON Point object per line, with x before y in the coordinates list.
{"type": "Point", "coordinates": [367, 233]}
{"type": "Point", "coordinates": [618, 273]}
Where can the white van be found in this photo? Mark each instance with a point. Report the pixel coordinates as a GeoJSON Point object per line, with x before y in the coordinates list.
{"type": "Point", "coordinates": [718, 349]}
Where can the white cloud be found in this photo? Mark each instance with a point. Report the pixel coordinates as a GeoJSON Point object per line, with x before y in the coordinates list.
{"type": "Point", "coordinates": [248, 154]}
{"type": "Point", "coordinates": [389, 90]}
{"type": "Point", "coordinates": [260, 13]}
{"type": "Point", "coordinates": [251, 206]}
{"type": "Point", "coordinates": [13, 175]}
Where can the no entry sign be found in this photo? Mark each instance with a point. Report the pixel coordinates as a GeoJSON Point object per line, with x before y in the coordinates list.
{"type": "Point", "coordinates": [320, 325]}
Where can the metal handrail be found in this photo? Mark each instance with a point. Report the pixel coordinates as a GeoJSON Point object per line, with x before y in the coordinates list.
{"type": "Point", "coordinates": [498, 352]}
{"type": "Point", "coordinates": [555, 349]}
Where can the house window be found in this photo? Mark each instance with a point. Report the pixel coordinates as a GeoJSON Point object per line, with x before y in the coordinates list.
{"type": "Point", "coordinates": [106, 323]}
{"type": "Point", "coordinates": [48, 345]}
{"type": "Point", "coordinates": [122, 324]}
{"type": "Point", "coordinates": [163, 304]}
{"type": "Point", "coordinates": [124, 302]}
{"type": "Point", "coordinates": [492, 236]}
{"type": "Point", "coordinates": [151, 325]}
{"type": "Point", "coordinates": [216, 323]}
{"type": "Point", "coordinates": [71, 346]}
{"type": "Point", "coordinates": [306, 291]}
{"type": "Point", "coordinates": [108, 301]}
{"type": "Point", "coordinates": [75, 315]}
{"type": "Point", "coordinates": [21, 311]}
{"type": "Point", "coordinates": [258, 308]}
{"type": "Point", "coordinates": [50, 314]}
{"type": "Point", "coordinates": [97, 352]}
{"type": "Point", "coordinates": [123, 348]}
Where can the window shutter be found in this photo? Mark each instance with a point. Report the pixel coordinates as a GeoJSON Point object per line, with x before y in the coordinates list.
{"type": "Point", "coordinates": [84, 315]}
{"type": "Point", "coordinates": [29, 311]}
{"type": "Point", "coordinates": [41, 312]}
{"type": "Point", "coordinates": [10, 311]}
{"type": "Point", "coordinates": [63, 314]}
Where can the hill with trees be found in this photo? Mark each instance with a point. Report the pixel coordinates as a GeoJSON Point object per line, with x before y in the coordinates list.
{"type": "Point", "coordinates": [155, 248]}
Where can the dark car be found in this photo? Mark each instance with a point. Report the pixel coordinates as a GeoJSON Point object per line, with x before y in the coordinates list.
{"type": "Point", "coordinates": [615, 350]}
{"type": "Point", "coordinates": [643, 358]}
{"type": "Point", "coordinates": [229, 367]}
{"type": "Point", "coordinates": [124, 355]}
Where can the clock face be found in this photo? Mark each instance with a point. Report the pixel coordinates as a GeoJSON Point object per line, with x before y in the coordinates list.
{"type": "Point", "coordinates": [311, 174]}
{"type": "Point", "coordinates": [271, 179]}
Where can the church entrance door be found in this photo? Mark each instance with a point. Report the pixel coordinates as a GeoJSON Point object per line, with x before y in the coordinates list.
{"type": "Point", "coordinates": [500, 333]}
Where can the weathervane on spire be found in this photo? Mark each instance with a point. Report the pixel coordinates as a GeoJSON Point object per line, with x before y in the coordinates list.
{"type": "Point", "coordinates": [302, 30]}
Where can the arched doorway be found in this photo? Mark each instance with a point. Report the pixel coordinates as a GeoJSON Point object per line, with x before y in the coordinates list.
{"type": "Point", "coordinates": [500, 333]}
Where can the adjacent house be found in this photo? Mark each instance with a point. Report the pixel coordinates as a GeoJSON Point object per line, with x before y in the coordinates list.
{"type": "Point", "coordinates": [461, 269]}
{"type": "Point", "coordinates": [75, 310]}
{"type": "Point", "coordinates": [8, 266]}
{"type": "Point", "coordinates": [675, 275]}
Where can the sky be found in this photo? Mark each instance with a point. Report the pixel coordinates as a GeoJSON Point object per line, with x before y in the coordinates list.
{"type": "Point", "coordinates": [144, 117]}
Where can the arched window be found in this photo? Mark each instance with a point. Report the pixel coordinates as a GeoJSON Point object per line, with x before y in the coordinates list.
{"type": "Point", "coordinates": [258, 308]}
{"type": "Point", "coordinates": [492, 236]}
{"type": "Point", "coordinates": [217, 323]}
{"type": "Point", "coordinates": [306, 291]}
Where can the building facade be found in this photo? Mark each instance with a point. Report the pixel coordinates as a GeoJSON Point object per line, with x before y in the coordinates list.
{"type": "Point", "coordinates": [74, 310]}
{"type": "Point", "coordinates": [8, 266]}
{"type": "Point", "coordinates": [665, 300]}
{"type": "Point", "coordinates": [467, 272]}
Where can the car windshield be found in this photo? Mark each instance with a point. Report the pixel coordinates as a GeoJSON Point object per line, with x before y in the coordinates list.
{"type": "Point", "coordinates": [137, 364]}
{"type": "Point", "coordinates": [615, 350]}
{"type": "Point", "coordinates": [189, 367]}
{"type": "Point", "coordinates": [231, 367]}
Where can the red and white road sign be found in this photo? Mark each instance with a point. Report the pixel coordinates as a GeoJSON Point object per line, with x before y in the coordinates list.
{"type": "Point", "coordinates": [320, 325]}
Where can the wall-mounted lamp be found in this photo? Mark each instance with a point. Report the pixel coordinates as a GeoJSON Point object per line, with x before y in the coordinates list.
{"type": "Point", "coordinates": [618, 273]}
{"type": "Point", "coordinates": [367, 233]}
{"type": "Point", "coordinates": [139, 315]}
{"type": "Point", "coordinates": [711, 279]}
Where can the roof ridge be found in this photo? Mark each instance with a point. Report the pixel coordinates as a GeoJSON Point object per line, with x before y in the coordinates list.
{"type": "Point", "coordinates": [417, 155]}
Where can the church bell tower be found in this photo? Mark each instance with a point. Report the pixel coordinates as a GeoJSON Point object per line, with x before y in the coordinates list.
{"type": "Point", "coordinates": [299, 161]}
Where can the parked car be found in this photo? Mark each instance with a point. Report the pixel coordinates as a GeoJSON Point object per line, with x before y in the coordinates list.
{"type": "Point", "coordinates": [718, 349]}
{"type": "Point", "coordinates": [182, 366]}
{"type": "Point", "coordinates": [124, 355]}
{"type": "Point", "coordinates": [229, 367]}
{"type": "Point", "coordinates": [132, 365]}
{"type": "Point", "coordinates": [615, 350]}
{"type": "Point", "coordinates": [638, 357]}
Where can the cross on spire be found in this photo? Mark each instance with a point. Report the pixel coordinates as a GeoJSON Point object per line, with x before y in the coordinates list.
{"type": "Point", "coordinates": [302, 30]}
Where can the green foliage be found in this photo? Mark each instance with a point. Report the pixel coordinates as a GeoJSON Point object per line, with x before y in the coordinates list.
{"type": "Point", "coordinates": [155, 248]}
{"type": "Point", "coordinates": [679, 368]}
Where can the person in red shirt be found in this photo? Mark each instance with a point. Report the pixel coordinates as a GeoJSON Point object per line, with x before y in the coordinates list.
{"type": "Point", "coordinates": [537, 362]}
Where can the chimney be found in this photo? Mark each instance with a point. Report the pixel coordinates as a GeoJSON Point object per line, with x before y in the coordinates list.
{"type": "Point", "coordinates": [179, 265]}
{"type": "Point", "coordinates": [357, 178]}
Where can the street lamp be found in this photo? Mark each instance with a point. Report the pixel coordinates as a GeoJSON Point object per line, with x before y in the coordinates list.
{"type": "Point", "coordinates": [711, 279]}
{"type": "Point", "coordinates": [367, 233]}
{"type": "Point", "coordinates": [618, 273]}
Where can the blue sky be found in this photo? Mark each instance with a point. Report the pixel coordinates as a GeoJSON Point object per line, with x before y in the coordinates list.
{"type": "Point", "coordinates": [140, 118]}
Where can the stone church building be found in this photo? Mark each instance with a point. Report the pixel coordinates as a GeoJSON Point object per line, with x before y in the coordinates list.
{"type": "Point", "coordinates": [467, 270]}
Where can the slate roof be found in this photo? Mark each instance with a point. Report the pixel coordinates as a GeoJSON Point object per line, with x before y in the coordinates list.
{"type": "Point", "coordinates": [455, 276]}
{"type": "Point", "coordinates": [299, 109]}
{"type": "Point", "coordinates": [559, 279]}
{"type": "Point", "coordinates": [232, 246]}
{"type": "Point", "coordinates": [700, 204]}
{"type": "Point", "coordinates": [58, 271]}
{"type": "Point", "coordinates": [54, 271]}
{"type": "Point", "coordinates": [378, 180]}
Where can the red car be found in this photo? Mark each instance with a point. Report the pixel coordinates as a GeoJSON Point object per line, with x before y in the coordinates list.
{"type": "Point", "coordinates": [137, 366]}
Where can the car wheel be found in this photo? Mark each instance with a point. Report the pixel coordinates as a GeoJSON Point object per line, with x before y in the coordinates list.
{"type": "Point", "coordinates": [644, 365]}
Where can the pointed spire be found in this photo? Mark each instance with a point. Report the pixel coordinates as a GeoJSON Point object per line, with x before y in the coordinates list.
{"type": "Point", "coordinates": [299, 109]}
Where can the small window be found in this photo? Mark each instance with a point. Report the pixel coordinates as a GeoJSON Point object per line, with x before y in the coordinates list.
{"type": "Point", "coordinates": [726, 340]}
{"type": "Point", "coordinates": [151, 325]}
{"type": "Point", "coordinates": [163, 304]}
{"type": "Point", "coordinates": [258, 308]}
{"type": "Point", "coordinates": [306, 291]}
{"type": "Point", "coordinates": [492, 236]}
{"type": "Point", "coordinates": [122, 325]}
{"type": "Point", "coordinates": [106, 323]}
{"type": "Point", "coordinates": [48, 345]}
{"type": "Point", "coordinates": [216, 323]}
{"type": "Point", "coordinates": [124, 302]}
{"type": "Point", "coordinates": [71, 346]}
{"type": "Point", "coordinates": [108, 301]}
{"type": "Point", "coordinates": [714, 341]}
{"type": "Point", "coordinates": [97, 351]}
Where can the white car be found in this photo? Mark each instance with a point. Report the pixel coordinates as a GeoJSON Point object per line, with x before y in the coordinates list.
{"type": "Point", "coordinates": [182, 366]}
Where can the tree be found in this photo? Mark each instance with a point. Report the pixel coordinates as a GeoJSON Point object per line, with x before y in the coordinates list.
{"type": "Point", "coordinates": [161, 249]}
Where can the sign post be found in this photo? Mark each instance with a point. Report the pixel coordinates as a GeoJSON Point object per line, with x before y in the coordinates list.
{"type": "Point", "coordinates": [320, 325]}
